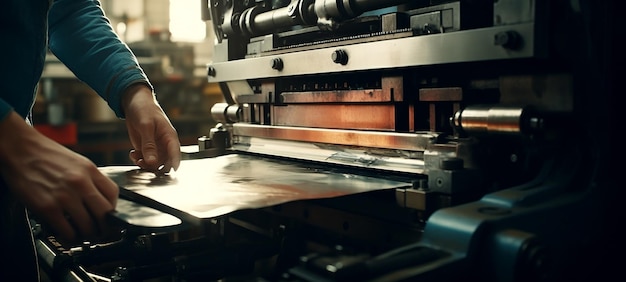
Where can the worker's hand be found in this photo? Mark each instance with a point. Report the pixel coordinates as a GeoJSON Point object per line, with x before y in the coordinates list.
{"type": "Point", "coordinates": [63, 189]}
{"type": "Point", "coordinates": [155, 142]}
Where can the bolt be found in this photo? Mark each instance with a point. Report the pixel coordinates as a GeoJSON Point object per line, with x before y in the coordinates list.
{"type": "Point", "coordinates": [340, 57]}
{"type": "Point", "coordinates": [211, 71]}
{"type": "Point", "coordinates": [277, 63]}
{"type": "Point", "coordinates": [429, 29]}
{"type": "Point", "coordinates": [439, 182]}
{"type": "Point", "coordinates": [508, 39]}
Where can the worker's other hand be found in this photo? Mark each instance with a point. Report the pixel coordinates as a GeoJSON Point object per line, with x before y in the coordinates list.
{"type": "Point", "coordinates": [63, 189]}
{"type": "Point", "coordinates": [156, 146]}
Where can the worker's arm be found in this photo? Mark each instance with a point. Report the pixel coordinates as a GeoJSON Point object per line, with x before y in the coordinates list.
{"type": "Point", "coordinates": [82, 38]}
{"type": "Point", "coordinates": [61, 187]}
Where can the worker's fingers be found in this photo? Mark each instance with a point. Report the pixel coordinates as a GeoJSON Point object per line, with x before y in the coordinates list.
{"type": "Point", "coordinates": [135, 156]}
{"type": "Point", "coordinates": [98, 206]}
{"type": "Point", "coordinates": [149, 149]}
{"type": "Point", "coordinates": [166, 167]}
{"type": "Point", "coordinates": [78, 217]}
{"type": "Point", "coordinates": [60, 223]}
{"type": "Point", "coordinates": [107, 188]}
{"type": "Point", "coordinates": [150, 154]}
{"type": "Point", "coordinates": [155, 142]}
{"type": "Point", "coordinates": [67, 216]}
{"type": "Point", "coordinates": [171, 155]}
{"type": "Point", "coordinates": [94, 196]}
{"type": "Point", "coordinates": [173, 151]}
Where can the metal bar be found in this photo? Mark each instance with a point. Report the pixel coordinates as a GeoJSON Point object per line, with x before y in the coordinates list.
{"type": "Point", "coordinates": [338, 96]}
{"type": "Point", "coordinates": [379, 117]}
{"type": "Point", "coordinates": [453, 47]}
{"type": "Point", "coordinates": [375, 139]}
{"type": "Point", "coordinates": [441, 94]}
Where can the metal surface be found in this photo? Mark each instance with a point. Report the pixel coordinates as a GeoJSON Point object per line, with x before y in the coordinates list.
{"type": "Point", "coordinates": [480, 119]}
{"type": "Point", "coordinates": [380, 117]}
{"type": "Point", "coordinates": [380, 159]}
{"type": "Point", "coordinates": [467, 46]}
{"type": "Point", "coordinates": [365, 95]}
{"type": "Point", "coordinates": [400, 141]}
{"type": "Point", "coordinates": [209, 188]}
{"type": "Point", "coordinates": [139, 216]}
{"type": "Point", "coordinates": [331, 13]}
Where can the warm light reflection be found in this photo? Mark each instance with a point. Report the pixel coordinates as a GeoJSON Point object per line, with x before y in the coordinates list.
{"type": "Point", "coordinates": [121, 29]}
{"type": "Point", "coordinates": [186, 24]}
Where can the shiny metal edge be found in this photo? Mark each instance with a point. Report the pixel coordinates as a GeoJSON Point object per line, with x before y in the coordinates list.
{"type": "Point", "coordinates": [361, 138]}
{"type": "Point", "coordinates": [388, 160]}
{"type": "Point", "coordinates": [136, 215]}
{"type": "Point", "coordinates": [453, 47]}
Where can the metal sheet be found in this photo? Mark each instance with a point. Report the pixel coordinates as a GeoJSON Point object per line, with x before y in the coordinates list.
{"type": "Point", "coordinates": [212, 187]}
{"type": "Point", "coordinates": [144, 218]}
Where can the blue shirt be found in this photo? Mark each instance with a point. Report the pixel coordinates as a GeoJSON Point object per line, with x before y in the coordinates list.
{"type": "Point", "coordinates": [77, 32]}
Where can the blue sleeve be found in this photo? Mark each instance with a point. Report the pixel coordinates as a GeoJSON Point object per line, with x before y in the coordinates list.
{"type": "Point", "coordinates": [82, 38]}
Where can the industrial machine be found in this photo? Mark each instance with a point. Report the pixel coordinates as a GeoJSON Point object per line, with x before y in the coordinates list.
{"type": "Point", "coordinates": [364, 140]}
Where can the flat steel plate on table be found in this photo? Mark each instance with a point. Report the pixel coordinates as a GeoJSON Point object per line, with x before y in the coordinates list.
{"type": "Point", "coordinates": [212, 187]}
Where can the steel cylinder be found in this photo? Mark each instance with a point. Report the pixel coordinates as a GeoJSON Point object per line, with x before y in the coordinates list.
{"type": "Point", "coordinates": [486, 119]}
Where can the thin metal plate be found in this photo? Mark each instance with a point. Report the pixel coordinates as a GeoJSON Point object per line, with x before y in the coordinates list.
{"type": "Point", "coordinates": [140, 217]}
{"type": "Point", "coordinates": [212, 187]}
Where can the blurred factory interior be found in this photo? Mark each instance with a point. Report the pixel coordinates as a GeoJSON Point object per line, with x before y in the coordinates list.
{"type": "Point", "coordinates": [172, 45]}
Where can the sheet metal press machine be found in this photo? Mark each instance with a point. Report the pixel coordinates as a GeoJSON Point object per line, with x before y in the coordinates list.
{"type": "Point", "coordinates": [364, 140]}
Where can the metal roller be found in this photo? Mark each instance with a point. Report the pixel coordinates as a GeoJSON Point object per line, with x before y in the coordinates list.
{"type": "Point", "coordinates": [495, 119]}
{"type": "Point", "coordinates": [225, 113]}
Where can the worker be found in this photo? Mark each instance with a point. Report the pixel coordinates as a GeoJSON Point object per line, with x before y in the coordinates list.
{"type": "Point", "coordinates": [39, 177]}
